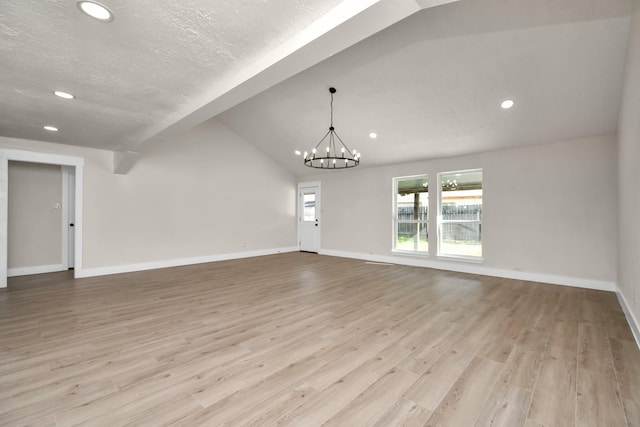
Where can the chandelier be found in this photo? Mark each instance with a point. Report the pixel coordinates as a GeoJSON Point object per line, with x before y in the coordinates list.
{"type": "Point", "coordinates": [449, 185]}
{"type": "Point", "coordinates": [331, 152]}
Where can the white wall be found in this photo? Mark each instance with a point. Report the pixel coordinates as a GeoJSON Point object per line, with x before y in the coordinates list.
{"type": "Point", "coordinates": [202, 194]}
{"type": "Point", "coordinates": [549, 211]}
{"type": "Point", "coordinates": [629, 174]}
{"type": "Point", "coordinates": [34, 225]}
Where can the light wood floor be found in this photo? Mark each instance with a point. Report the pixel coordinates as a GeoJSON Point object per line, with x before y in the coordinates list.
{"type": "Point", "coordinates": [306, 340]}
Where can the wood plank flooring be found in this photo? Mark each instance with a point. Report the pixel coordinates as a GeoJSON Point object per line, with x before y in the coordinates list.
{"type": "Point", "coordinates": [306, 340]}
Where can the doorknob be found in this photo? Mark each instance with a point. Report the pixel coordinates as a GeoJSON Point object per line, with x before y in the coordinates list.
{"type": "Point", "coordinates": [71, 225]}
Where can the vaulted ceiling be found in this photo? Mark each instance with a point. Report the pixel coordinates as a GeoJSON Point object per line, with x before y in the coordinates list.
{"type": "Point", "coordinates": [427, 76]}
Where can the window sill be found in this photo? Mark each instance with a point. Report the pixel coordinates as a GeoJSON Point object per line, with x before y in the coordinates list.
{"type": "Point", "coordinates": [411, 254]}
{"type": "Point", "coordinates": [475, 260]}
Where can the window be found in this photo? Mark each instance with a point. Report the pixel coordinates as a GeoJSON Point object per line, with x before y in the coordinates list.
{"type": "Point", "coordinates": [309, 213]}
{"type": "Point", "coordinates": [460, 220]}
{"type": "Point", "coordinates": [411, 208]}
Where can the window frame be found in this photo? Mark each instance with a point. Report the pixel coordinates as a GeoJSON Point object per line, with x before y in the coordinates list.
{"type": "Point", "coordinates": [441, 221]}
{"type": "Point", "coordinates": [304, 216]}
{"type": "Point", "coordinates": [396, 221]}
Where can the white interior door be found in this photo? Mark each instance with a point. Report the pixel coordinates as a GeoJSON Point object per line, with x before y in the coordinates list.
{"type": "Point", "coordinates": [309, 217]}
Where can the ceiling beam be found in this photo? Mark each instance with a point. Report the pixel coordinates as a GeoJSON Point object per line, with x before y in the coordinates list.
{"type": "Point", "coordinates": [425, 4]}
{"type": "Point", "coordinates": [345, 25]}
{"type": "Point", "coordinates": [124, 161]}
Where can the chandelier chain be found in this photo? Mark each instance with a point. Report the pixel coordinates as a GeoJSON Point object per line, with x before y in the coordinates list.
{"type": "Point", "coordinates": [331, 125]}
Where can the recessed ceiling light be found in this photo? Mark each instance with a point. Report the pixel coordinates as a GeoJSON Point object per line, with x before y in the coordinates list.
{"type": "Point", "coordinates": [373, 135]}
{"type": "Point", "coordinates": [507, 103]}
{"type": "Point", "coordinates": [96, 10]}
{"type": "Point", "coordinates": [50, 128]}
{"type": "Point", "coordinates": [297, 152]}
{"type": "Point", "coordinates": [61, 94]}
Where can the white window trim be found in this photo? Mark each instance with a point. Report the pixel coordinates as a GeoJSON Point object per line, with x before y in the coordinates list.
{"type": "Point", "coordinates": [394, 216]}
{"type": "Point", "coordinates": [454, 257]}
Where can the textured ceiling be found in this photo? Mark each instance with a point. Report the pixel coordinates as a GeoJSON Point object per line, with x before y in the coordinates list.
{"type": "Point", "coordinates": [139, 70]}
{"type": "Point", "coordinates": [431, 85]}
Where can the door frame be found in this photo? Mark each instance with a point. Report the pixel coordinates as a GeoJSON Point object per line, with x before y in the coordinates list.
{"type": "Point", "coordinates": [68, 205]}
{"type": "Point", "coordinates": [302, 185]}
{"type": "Point", "coordinates": [77, 163]}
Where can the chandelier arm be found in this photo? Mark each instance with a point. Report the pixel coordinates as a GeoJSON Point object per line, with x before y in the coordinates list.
{"type": "Point", "coordinates": [323, 138]}
{"type": "Point", "coordinates": [332, 144]}
{"type": "Point", "coordinates": [343, 144]}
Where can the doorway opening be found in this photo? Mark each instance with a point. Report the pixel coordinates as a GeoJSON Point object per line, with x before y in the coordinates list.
{"type": "Point", "coordinates": [74, 167]}
{"type": "Point", "coordinates": [40, 203]}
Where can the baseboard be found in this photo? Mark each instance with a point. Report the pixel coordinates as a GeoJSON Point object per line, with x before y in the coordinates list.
{"type": "Point", "coordinates": [474, 268]}
{"type": "Point", "coordinates": [128, 268]}
{"type": "Point", "coordinates": [38, 269]}
{"type": "Point", "coordinates": [631, 319]}
{"type": "Point", "coordinates": [410, 261]}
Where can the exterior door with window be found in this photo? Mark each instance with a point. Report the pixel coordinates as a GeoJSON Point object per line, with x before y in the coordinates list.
{"type": "Point", "coordinates": [309, 217]}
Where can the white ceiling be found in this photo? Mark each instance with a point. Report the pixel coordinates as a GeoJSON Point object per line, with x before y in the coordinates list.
{"type": "Point", "coordinates": [134, 73]}
{"type": "Point", "coordinates": [430, 85]}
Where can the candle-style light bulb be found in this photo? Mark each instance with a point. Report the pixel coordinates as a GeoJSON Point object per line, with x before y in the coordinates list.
{"type": "Point", "coordinates": [313, 151]}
